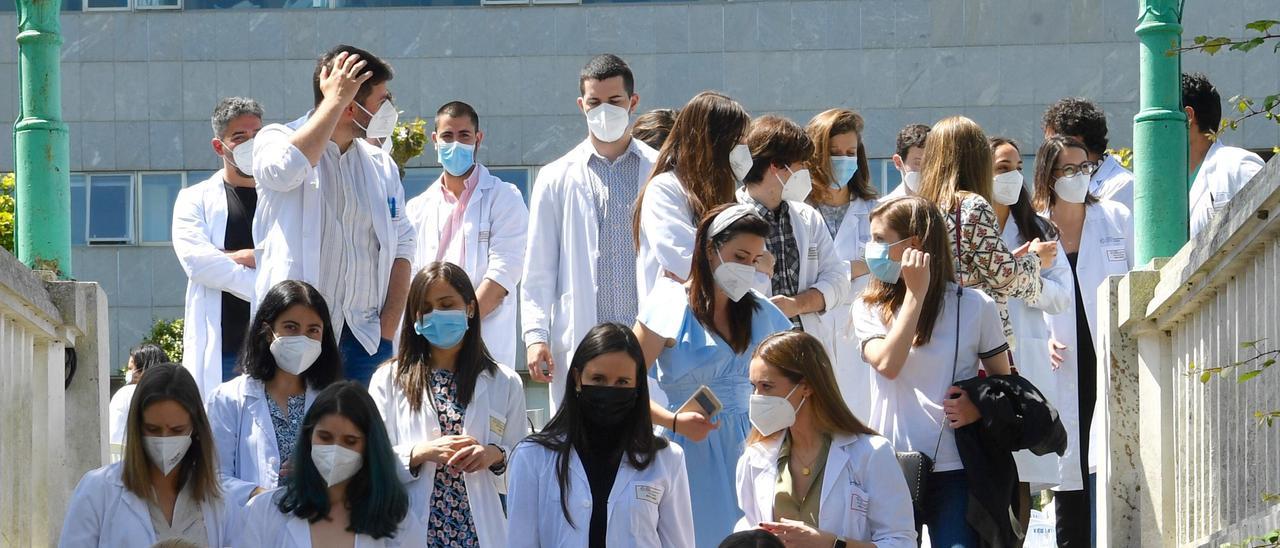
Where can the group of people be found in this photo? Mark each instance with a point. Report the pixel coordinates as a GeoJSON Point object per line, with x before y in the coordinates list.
{"type": "Point", "coordinates": [739, 333]}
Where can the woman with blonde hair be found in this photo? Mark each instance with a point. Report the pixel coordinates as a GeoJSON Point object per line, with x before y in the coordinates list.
{"type": "Point", "coordinates": [842, 193]}
{"type": "Point", "coordinates": [957, 177]}
{"type": "Point", "coordinates": [697, 169]}
{"type": "Point", "coordinates": [813, 474]}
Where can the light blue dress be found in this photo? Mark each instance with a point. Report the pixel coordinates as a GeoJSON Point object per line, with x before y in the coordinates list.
{"type": "Point", "coordinates": [701, 357]}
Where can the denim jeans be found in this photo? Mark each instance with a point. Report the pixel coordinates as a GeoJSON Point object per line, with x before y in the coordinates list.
{"type": "Point", "coordinates": [228, 366]}
{"type": "Point", "coordinates": [945, 501]}
{"type": "Point", "coordinates": [357, 363]}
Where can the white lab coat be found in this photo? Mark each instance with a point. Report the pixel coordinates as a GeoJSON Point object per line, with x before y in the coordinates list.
{"type": "Point", "coordinates": [245, 437]}
{"type": "Point", "coordinates": [1106, 249]}
{"type": "Point", "coordinates": [199, 226]}
{"type": "Point", "coordinates": [1112, 182]}
{"type": "Point", "coordinates": [103, 513]}
{"type": "Point", "coordinates": [852, 374]}
{"type": "Point", "coordinates": [1031, 329]}
{"type": "Point", "coordinates": [667, 233]}
{"type": "Point", "coordinates": [864, 494]}
{"type": "Point", "coordinates": [290, 209]}
{"type": "Point", "coordinates": [820, 268]}
{"type": "Point", "coordinates": [493, 230]}
{"type": "Point", "coordinates": [558, 291]}
{"type": "Point", "coordinates": [118, 412]}
{"type": "Point", "coordinates": [264, 525]}
{"type": "Point", "coordinates": [1223, 173]}
{"type": "Point", "coordinates": [496, 415]}
{"type": "Point", "coordinates": [647, 508]}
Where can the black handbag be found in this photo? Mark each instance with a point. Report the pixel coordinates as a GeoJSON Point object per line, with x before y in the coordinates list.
{"type": "Point", "coordinates": [917, 466]}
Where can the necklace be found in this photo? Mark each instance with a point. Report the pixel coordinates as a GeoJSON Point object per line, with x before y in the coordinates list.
{"type": "Point", "coordinates": [806, 469]}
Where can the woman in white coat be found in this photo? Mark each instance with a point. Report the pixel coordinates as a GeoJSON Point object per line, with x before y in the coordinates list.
{"type": "Point", "coordinates": [700, 163]}
{"type": "Point", "coordinates": [842, 194]}
{"type": "Point", "coordinates": [166, 487]}
{"type": "Point", "coordinates": [344, 489]}
{"type": "Point", "coordinates": [815, 475]}
{"type": "Point", "coordinates": [141, 358]}
{"type": "Point", "coordinates": [597, 476]}
{"type": "Point", "coordinates": [452, 413]}
{"type": "Point", "coordinates": [289, 354]}
{"type": "Point", "coordinates": [1097, 236]}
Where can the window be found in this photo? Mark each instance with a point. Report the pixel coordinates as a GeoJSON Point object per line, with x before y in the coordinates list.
{"type": "Point", "coordinates": [253, 4]}
{"type": "Point", "coordinates": [110, 207]}
{"type": "Point", "coordinates": [157, 195]}
{"type": "Point", "coordinates": [884, 177]}
{"type": "Point", "coordinates": [417, 179]}
{"type": "Point", "coordinates": [106, 5]}
{"type": "Point", "coordinates": [157, 4]}
{"type": "Point", "coordinates": [79, 215]}
{"type": "Point", "coordinates": [516, 176]}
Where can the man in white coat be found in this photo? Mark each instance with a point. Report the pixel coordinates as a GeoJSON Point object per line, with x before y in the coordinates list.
{"type": "Point", "coordinates": [1216, 171]}
{"type": "Point", "coordinates": [1082, 119]}
{"type": "Point", "coordinates": [806, 279]}
{"type": "Point", "coordinates": [213, 239]}
{"type": "Point", "coordinates": [331, 206]}
{"type": "Point", "coordinates": [580, 265]}
{"type": "Point", "coordinates": [908, 158]}
{"type": "Point", "coordinates": [473, 219]}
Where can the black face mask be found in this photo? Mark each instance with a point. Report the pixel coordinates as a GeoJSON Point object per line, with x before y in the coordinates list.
{"type": "Point", "coordinates": [606, 405]}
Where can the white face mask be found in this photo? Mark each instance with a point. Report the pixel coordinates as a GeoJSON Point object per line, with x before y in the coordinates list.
{"type": "Point", "coordinates": [336, 463]}
{"type": "Point", "coordinates": [912, 180]}
{"type": "Point", "coordinates": [166, 452]}
{"type": "Point", "coordinates": [740, 160]}
{"type": "Point", "coordinates": [381, 123]}
{"type": "Point", "coordinates": [242, 157]}
{"type": "Point", "coordinates": [1007, 187]}
{"type": "Point", "coordinates": [797, 188]}
{"type": "Point", "coordinates": [608, 122]}
{"type": "Point", "coordinates": [296, 353]}
{"type": "Point", "coordinates": [1072, 189]}
{"type": "Point", "coordinates": [770, 414]}
{"type": "Point", "coordinates": [735, 279]}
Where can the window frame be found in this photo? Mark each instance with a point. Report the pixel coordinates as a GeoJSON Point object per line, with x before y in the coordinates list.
{"type": "Point", "coordinates": [84, 7]}
{"type": "Point", "coordinates": [139, 212]}
{"type": "Point", "coordinates": [130, 223]}
{"type": "Point", "coordinates": [179, 6]}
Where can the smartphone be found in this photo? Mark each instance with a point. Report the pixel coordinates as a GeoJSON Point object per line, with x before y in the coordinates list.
{"type": "Point", "coordinates": [702, 401]}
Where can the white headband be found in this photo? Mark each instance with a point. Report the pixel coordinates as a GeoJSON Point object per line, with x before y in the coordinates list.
{"type": "Point", "coordinates": [728, 217]}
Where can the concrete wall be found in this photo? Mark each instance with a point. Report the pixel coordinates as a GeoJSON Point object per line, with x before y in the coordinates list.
{"type": "Point", "coordinates": [139, 86]}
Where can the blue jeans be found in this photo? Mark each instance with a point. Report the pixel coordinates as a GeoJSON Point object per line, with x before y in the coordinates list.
{"type": "Point", "coordinates": [945, 501]}
{"type": "Point", "coordinates": [228, 366]}
{"type": "Point", "coordinates": [357, 364]}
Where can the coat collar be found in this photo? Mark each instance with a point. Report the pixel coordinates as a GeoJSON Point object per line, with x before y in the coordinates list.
{"type": "Point", "coordinates": [763, 458]}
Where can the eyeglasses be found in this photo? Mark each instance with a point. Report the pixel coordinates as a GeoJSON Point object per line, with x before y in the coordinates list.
{"type": "Point", "coordinates": [1070, 170]}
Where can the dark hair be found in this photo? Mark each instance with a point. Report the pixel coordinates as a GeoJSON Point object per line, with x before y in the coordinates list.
{"type": "Point", "coordinates": [256, 359]}
{"type": "Point", "coordinates": [1030, 225]}
{"type": "Point", "coordinates": [1199, 94]}
{"type": "Point", "coordinates": [568, 428]}
{"type": "Point", "coordinates": [752, 538]}
{"type": "Point", "coordinates": [1081, 118]}
{"type": "Point", "coordinates": [911, 136]}
{"type": "Point", "coordinates": [458, 109]}
{"type": "Point", "coordinates": [702, 285]}
{"type": "Point", "coordinates": [775, 141]}
{"type": "Point", "coordinates": [604, 67]}
{"type": "Point", "coordinates": [381, 71]}
{"type": "Point", "coordinates": [1046, 158]}
{"type": "Point", "coordinates": [376, 499]}
{"type": "Point", "coordinates": [413, 361]}
{"type": "Point", "coordinates": [654, 126]}
{"type": "Point", "coordinates": [199, 467]}
{"type": "Point", "coordinates": [146, 355]}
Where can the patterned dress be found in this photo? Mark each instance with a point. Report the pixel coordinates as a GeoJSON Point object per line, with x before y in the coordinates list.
{"type": "Point", "coordinates": [985, 263]}
{"type": "Point", "coordinates": [450, 523]}
{"type": "Point", "coordinates": [287, 423]}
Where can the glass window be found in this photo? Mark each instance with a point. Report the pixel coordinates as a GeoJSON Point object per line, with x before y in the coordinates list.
{"type": "Point", "coordinates": [158, 193]}
{"type": "Point", "coordinates": [417, 179]}
{"type": "Point", "coordinates": [884, 177]}
{"type": "Point", "coordinates": [78, 214]}
{"type": "Point", "coordinates": [156, 4]}
{"type": "Point", "coordinates": [110, 209]}
{"type": "Point", "coordinates": [106, 4]}
{"type": "Point", "coordinates": [518, 176]}
{"type": "Point", "coordinates": [196, 177]}
{"type": "Point", "coordinates": [253, 4]}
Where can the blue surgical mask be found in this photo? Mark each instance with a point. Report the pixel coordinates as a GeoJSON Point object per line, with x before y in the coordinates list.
{"type": "Point", "coordinates": [456, 157]}
{"type": "Point", "coordinates": [881, 266]}
{"type": "Point", "coordinates": [843, 168]}
{"type": "Point", "coordinates": [442, 328]}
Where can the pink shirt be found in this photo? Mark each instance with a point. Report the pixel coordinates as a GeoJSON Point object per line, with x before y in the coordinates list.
{"type": "Point", "coordinates": [454, 224]}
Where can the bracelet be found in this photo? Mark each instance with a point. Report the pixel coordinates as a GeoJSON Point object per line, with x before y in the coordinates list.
{"type": "Point", "coordinates": [674, 418]}
{"type": "Point", "coordinates": [501, 466]}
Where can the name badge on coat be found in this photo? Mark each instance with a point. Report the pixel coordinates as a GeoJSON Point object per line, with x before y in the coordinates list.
{"type": "Point", "coordinates": [497, 426]}
{"type": "Point", "coordinates": [484, 237]}
{"type": "Point", "coordinates": [649, 493]}
{"type": "Point", "coordinates": [813, 253]}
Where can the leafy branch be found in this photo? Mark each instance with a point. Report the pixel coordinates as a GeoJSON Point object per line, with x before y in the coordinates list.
{"type": "Point", "coordinates": [1260, 362]}
{"type": "Point", "coordinates": [1268, 107]}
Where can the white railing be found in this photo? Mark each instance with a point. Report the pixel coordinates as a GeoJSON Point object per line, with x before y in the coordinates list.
{"type": "Point", "coordinates": [1187, 460]}
{"type": "Point", "coordinates": [50, 433]}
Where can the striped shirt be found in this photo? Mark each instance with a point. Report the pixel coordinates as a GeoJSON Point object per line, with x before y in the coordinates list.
{"type": "Point", "coordinates": [349, 247]}
{"type": "Point", "coordinates": [614, 188]}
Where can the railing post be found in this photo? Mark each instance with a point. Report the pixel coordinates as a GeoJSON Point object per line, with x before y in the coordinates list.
{"type": "Point", "coordinates": [1159, 135]}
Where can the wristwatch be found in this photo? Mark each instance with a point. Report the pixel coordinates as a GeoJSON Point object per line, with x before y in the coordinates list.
{"type": "Point", "coordinates": [501, 466]}
{"type": "Point", "coordinates": [839, 543]}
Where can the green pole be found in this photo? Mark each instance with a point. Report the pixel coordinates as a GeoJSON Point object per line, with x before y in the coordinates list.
{"type": "Point", "coordinates": [43, 231]}
{"type": "Point", "coordinates": [1160, 136]}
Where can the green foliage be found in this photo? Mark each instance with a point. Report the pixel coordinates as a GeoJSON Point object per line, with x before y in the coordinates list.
{"type": "Point", "coordinates": [1258, 33]}
{"type": "Point", "coordinates": [1123, 155]}
{"type": "Point", "coordinates": [7, 205]}
{"type": "Point", "coordinates": [167, 334]}
{"type": "Point", "coordinates": [408, 141]}
{"type": "Point", "coordinates": [1265, 540]}
{"type": "Point", "coordinates": [1255, 365]}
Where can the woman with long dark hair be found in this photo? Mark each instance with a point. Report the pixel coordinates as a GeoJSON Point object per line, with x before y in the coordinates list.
{"type": "Point", "coordinates": [141, 358]}
{"type": "Point", "coordinates": [451, 412]}
{"type": "Point", "coordinates": [813, 473]}
{"type": "Point", "coordinates": [290, 353]}
{"type": "Point", "coordinates": [344, 488]}
{"type": "Point", "coordinates": [597, 475]}
{"type": "Point", "coordinates": [703, 333]}
{"type": "Point", "coordinates": [166, 487]}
